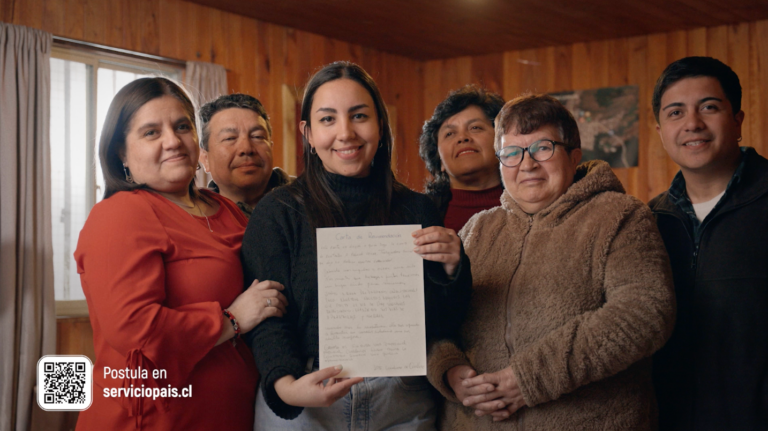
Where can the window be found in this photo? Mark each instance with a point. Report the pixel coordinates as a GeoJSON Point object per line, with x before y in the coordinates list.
{"type": "Point", "coordinates": [82, 87]}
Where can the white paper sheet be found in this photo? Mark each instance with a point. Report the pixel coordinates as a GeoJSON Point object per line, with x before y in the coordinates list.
{"type": "Point", "coordinates": [371, 301]}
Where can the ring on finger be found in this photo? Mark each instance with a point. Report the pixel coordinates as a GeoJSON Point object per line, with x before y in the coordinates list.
{"type": "Point", "coordinates": [269, 302]}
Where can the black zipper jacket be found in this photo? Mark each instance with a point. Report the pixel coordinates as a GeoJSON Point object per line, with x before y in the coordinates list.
{"type": "Point", "coordinates": [713, 372]}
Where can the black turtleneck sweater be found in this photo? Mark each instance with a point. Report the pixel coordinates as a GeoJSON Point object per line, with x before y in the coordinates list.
{"type": "Point", "coordinates": [279, 245]}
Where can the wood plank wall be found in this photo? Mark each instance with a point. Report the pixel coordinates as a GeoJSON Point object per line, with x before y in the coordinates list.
{"type": "Point", "coordinates": [259, 57]}
{"type": "Point", "coordinates": [629, 61]}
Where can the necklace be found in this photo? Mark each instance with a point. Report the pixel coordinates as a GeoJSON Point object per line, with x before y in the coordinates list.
{"type": "Point", "coordinates": [200, 210]}
{"type": "Point", "coordinates": [206, 217]}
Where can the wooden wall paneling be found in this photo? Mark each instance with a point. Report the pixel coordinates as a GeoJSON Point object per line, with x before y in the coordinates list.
{"type": "Point", "coordinates": [330, 50]}
{"type": "Point", "coordinates": [28, 13]}
{"type": "Point", "coordinates": [637, 48]}
{"type": "Point", "coordinates": [432, 88]}
{"type": "Point", "coordinates": [74, 336]}
{"type": "Point", "coordinates": [581, 74]}
{"type": "Point", "coordinates": [149, 12]}
{"type": "Point", "coordinates": [548, 78]}
{"type": "Point", "coordinates": [512, 71]}
{"type": "Point", "coordinates": [169, 29]}
{"type": "Point", "coordinates": [738, 59]}
{"type": "Point", "coordinates": [263, 66]}
{"type": "Point", "coordinates": [316, 50]}
{"type": "Point", "coordinates": [53, 17]}
{"type": "Point", "coordinates": [95, 20]}
{"type": "Point", "coordinates": [563, 68]}
{"type": "Point", "coordinates": [233, 29]}
{"type": "Point", "coordinates": [202, 32]}
{"type": "Point", "coordinates": [697, 42]}
{"type": "Point", "coordinates": [758, 87]}
{"type": "Point", "coordinates": [249, 54]}
{"type": "Point", "coordinates": [598, 64]}
{"type": "Point", "coordinates": [530, 71]}
{"type": "Point", "coordinates": [6, 10]}
{"type": "Point", "coordinates": [116, 14]}
{"type": "Point", "coordinates": [658, 177]}
{"type": "Point", "coordinates": [74, 18]}
{"type": "Point", "coordinates": [218, 23]}
{"type": "Point", "coordinates": [277, 46]}
{"type": "Point", "coordinates": [406, 93]}
{"type": "Point", "coordinates": [488, 71]}
{"type": "Point", "coordinates": [717, 42]}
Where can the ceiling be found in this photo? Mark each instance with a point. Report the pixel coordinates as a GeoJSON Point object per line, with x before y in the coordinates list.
{"type": "Point", "coordinates": [432, 29]}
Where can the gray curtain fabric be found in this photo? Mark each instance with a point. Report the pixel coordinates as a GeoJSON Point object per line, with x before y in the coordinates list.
{"type": "Point", "coordinates": [27, 307]}
{"type": "Point", "coordinates": [205, 82]}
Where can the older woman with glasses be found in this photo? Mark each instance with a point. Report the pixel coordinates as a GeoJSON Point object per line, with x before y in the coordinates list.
{"type": "Point", "coordinates": [572, 291]}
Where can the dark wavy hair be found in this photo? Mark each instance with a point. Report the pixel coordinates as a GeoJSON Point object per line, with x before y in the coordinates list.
{"type": "Point", "coordinates": [439, 186]}
{"type": "Point", "coordinates": [323, 206]}
{"type": "Point", "coordinates": [694, 67]}
{"type": "Point", "coordinates": [530, 112]}
{"type": "Point", "coordinates": [237, 100]}
{"type": "Point", "coordinates": [124, 106]}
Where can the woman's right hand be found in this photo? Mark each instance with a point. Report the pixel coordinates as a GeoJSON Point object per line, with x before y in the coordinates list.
{"type": "Point", "coordinates": [309, 391]}
{"type": "Point", "coordinates": [456, 375]}
{"type": "Point", "coordinates": [259, 302]}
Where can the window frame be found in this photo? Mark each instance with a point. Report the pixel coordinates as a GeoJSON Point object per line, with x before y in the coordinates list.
{"type": "Point", "coordinates": [96, 59]}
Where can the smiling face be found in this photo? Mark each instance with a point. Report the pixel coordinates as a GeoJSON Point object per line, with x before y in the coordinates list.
{"type": "Point", "coordinates": [239, 155]}
{"type": "Point", "coordinates": [465, 146]}
{"type": "Point", "coordinates": [697, 126]}
{"type": "Point", "coordinates": [344, 128]}
{"type": "Point", "coordinates": [535, 185]}
{"type": "Point", "coordinates": [161, 146]}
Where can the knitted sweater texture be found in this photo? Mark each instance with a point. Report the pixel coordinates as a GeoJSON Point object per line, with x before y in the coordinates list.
{"type": "Point", "coordinates": [279, 245]}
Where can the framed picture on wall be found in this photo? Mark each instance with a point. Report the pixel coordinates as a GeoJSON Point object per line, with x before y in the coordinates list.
{"type": "Point", "coordinates": [608, 122]}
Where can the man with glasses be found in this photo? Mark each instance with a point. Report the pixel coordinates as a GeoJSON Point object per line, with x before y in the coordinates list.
{"type": "Point", "coordinates": [713, 373]}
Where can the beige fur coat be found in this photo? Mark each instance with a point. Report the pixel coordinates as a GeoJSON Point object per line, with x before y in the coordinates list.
{"type": "Point", "coordinates": [586, 288]}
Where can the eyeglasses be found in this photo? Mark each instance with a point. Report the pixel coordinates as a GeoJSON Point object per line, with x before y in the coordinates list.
{"type": "Point", "coordinates": [541, 150]}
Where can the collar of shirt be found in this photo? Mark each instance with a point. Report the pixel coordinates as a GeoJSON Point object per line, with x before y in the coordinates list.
{"type": "Point", "coordinates": [679, 196]}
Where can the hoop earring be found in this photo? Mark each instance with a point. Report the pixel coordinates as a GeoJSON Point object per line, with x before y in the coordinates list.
{"type": "Point", "coordinates": [312, 150]}
{"type": "Point", "coordinates": [739, 140]}
{"type": "Point", "coordinates": [381, 144]}
{"type": "Point", "coordinates": [128, 177]}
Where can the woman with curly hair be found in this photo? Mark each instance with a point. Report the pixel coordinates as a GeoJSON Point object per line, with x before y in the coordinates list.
{"type": "Point", "coordinates": [457, 146]}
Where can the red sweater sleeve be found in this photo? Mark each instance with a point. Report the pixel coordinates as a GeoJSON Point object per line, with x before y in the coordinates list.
{"type": "Point", "coordinates": [121, 260]}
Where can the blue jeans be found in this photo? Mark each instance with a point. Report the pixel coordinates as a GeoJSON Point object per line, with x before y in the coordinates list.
{"type": "Point", "coordinates": [377, 403]}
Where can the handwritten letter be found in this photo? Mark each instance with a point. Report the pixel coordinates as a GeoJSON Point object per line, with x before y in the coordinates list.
{"type": "Point", "coordinates": [371, 301]}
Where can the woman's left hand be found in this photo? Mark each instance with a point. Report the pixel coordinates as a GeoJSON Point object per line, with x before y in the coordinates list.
{"type": "Point", "coordinates": [439, 244]}
{"type": "Point", "coordinates": [501, 403]}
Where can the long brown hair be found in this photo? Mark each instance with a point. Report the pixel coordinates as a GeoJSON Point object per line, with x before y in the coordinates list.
{"type": "Point", "coordinates": [124, 106]}
{"type": "Point", "coordinates": [323, 206]}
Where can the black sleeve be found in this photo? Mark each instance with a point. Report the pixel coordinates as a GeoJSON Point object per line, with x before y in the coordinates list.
{"type": "Point", "coordinates": [446, 299]}
{"type": "Point", "coordinates": [267, 255]}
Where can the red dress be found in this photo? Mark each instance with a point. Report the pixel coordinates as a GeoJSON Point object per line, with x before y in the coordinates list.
{"type": "Point", "coordinates": [156, 280]}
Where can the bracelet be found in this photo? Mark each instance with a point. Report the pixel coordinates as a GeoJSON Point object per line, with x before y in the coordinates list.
{"type": "Point", "coordinates": [235, 326]}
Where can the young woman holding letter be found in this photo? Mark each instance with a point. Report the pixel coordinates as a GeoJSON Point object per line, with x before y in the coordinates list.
{"type": "Point", "coordinates": [347, 182]}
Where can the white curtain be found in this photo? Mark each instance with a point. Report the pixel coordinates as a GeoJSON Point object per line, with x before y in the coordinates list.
{"type": "Point", "coordinates": [205, 82]}
{"type": "Point", "coordinates": [27, 307]}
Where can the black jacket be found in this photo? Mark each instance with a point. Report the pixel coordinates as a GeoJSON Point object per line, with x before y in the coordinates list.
{"type": "Point", "coordinates": [713, 372]}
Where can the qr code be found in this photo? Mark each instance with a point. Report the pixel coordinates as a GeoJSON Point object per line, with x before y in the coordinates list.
{"type": "Point", "coordinates": [64, 382]}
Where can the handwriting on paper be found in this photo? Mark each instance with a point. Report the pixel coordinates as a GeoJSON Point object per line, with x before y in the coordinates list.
{"type": "Point", "coordinates": [371, 301]}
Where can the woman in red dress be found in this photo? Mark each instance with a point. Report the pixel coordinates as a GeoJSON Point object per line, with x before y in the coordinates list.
{"type": "Point", "coordinates": [159, 262]}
